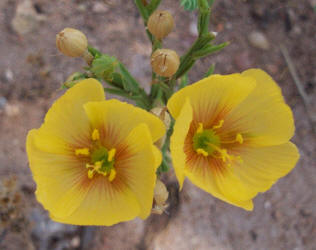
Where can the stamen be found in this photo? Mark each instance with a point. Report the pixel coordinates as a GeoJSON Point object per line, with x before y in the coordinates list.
{"type": "Point", "coordinates": [91, 173]}
{"type": "Point", "coordinates": [200, 128]}
{"type": "Point", "coordinates": [95, 135]}
{"type": "Point", "coordinates": [82, 151]}
{"type": "Point", "coordinates": [219, 125]}
{"type": "Point", "coordinates": [111, 154]}
{"type": "Point", "coordinates": [201, 151]}
{"type": "Point", "coordinates": [112, 175]}
{"type": "Point", "coordinates": [239, 138]}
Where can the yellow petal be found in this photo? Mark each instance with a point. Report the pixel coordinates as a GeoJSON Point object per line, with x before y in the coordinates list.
{"type": "Point", "coordinates": [180, 131]}
{"type": "Point", "coordinates": [117, 119]}
{"type": "Point", "coordinates": [137, 166]}
{"type": "Point", "coordinates": [106, 203]}
{"type": "Point", "coordinates": [212, 97]}
{"type": "Point", "coordinates": [218, 180]}
{"type": "Point", "coordinates": [66, 118]}
{"type": "Point", "coordinates": [60, 177]}
{"type": "Point", "coordinates": [263, 118]}
{"type": "Point", "coordinates": [263, 166]}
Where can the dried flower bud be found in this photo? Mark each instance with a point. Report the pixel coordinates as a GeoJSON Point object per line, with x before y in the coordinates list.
{"type": "Point", "coordinates": [160, 196]}
{"type": "Point", "coordinates": [160, 24]}
{"type": "Point", "coordinates": [165, 62]}
{"type": "Point", "coordinates": [71, 42]}
{"type": "Point", "coordinates": [160, 193]}
{"type": "Point", "coordinates": [162, 113]}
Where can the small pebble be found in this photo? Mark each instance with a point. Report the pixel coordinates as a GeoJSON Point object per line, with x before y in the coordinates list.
{"type": "Point", "coordinates": [9, 75]}
{"type": "Point", "coordinates": [99, 7]}
{"type": "Point", "coordinates": [3, 102]}
{"type": "Point", "coordinates": [11, 110]}
{"type": "Point", "coordinates": [258, 40]}
{"type": "Point", "coordinates": [193, 29]}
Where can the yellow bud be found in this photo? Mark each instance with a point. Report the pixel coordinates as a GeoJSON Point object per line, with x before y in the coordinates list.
{"type": "Point", "coordinates": [160, 24]}
{"type": "Point", "coordinates": [160, 193]}
{"type": "Point", "coordinates": [165, 62]}
{"type": "Point", "coordinates": [71, 42]}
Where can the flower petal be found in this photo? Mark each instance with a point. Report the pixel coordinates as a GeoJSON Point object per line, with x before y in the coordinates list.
{"type": "Point", "coordinates": [263, 118]}
{"type": "Point", "coordinates": [66, 118]}
{"type": "Point", "coordinates": [180, 131]}
{"type": "Point", "coordinates": [117, 119]}
{"type": "Point", "coordinates": [215, 178]}
{"type": "Point", "coordinates": [138, 164]}
{"type": "Point", "coordinates": [60, 177]}
{"type": "Point", "coordinates": [263, 166]}
{"type": "Point", "coordinates": [105, 204]}
{"type": "Point", "coordinates": [212, 97]}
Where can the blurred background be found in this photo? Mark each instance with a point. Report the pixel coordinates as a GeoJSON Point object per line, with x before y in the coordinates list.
{"type": "Point", "coordinates": [32, 70]}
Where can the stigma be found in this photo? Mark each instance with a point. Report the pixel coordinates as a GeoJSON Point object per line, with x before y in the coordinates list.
{"type": "Point", "coordinates": [208, 143]}
{"type": "Point", "coordinates": [102, 160]}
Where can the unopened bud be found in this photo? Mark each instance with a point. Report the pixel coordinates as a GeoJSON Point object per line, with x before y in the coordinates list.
{"type": "Point", "coordinates": [162, 113]}
{"type": "Point", "coordinates": [71, 42]}
{"type": "Point", "coordinates": [160, 196]}
{"type": "Point", "coordinates": [165, 62]}
{"type": "Point", "coordinates": [160, 24]}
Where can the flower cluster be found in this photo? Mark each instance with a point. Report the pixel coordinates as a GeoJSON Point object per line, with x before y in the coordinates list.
{"type": "Point", "coordinates": [98, 162]}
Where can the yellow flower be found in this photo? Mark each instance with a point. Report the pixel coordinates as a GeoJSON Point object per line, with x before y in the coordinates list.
{"type": "Point", "coordinates": [93, 160]}
{"type": "Point", "coordinates": [231, 136]}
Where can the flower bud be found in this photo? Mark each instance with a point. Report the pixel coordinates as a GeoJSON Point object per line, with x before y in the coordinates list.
{"type": "Point", "coordinates": [160, 24]}
{"type": "Point", "coordinates": [71, 42]}
{"type": "Point", "coordinates": [163, 115]}
{"type": "Point", "coordinates": [165, 62]}
{"type": "Point", "coordinates": [160, 193]}
{"type": "Point", "coordinates": [160, 196]}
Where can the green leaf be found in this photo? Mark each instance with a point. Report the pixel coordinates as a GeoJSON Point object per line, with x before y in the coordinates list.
{"type": "Point", "coordinates": [209, 49]}
{"type": "Point", "coordinates": [184, 81]}
{"type": "Point", "coordinates": [132, 84]}
{"type": "Point", "coordinates": [210, 71]}
{"type": "Point", "coordinates": [152, 6]}
{"type": "Point", "coordinates": [189, 4]}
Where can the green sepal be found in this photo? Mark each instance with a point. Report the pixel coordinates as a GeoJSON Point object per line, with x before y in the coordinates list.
{"type": "Point", "coordinates": [104, 66]}
{"type": "Point", "coordinates": [94, 52]}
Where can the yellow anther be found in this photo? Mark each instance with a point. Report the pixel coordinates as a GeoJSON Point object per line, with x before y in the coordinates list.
{"type": "Point", "coordinates": [201, 151]}
{"type": "Point", "coordinates": [112, 174]}
{"type": "Point", "coordinates": [200, 128]}
{"type": "Point", "coordinates": [95, 135]}
{"type": "Point", "coordinates": [239, 138]}
{"type": "Point", "coordinates": [219, 125]}
{"type": "Point", "coordinates": [91, 173]}
{"type": "Point", "coordinates": [82, 151]}
{"type": "Point", "coordinates": [238, 158]}
{"type": "Point", "coordinates": [224, 155]}
{"type": "Point", "coordinates": [111, 154]}
{"type": "Point", "coordinates": [98, 165]}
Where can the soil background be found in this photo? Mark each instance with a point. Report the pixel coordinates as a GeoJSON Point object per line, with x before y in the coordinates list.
{"type": "Point", "coordinates": [32, 70]}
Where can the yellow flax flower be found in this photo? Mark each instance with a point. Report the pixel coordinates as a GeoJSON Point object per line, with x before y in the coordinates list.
{"type": "Point", "coordinates": [93, 160]}
{"type": "Point", "coordinates": [231, 136]}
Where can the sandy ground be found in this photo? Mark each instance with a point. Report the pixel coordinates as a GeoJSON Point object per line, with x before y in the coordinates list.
{"type": "Point", "coordinates": [31, 71]}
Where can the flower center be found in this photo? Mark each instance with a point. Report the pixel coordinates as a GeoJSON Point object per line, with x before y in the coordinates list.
{"type": "Point", "coordinates": [101, 159]}
{"type": "Point", "coordinates": [207, 143]}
